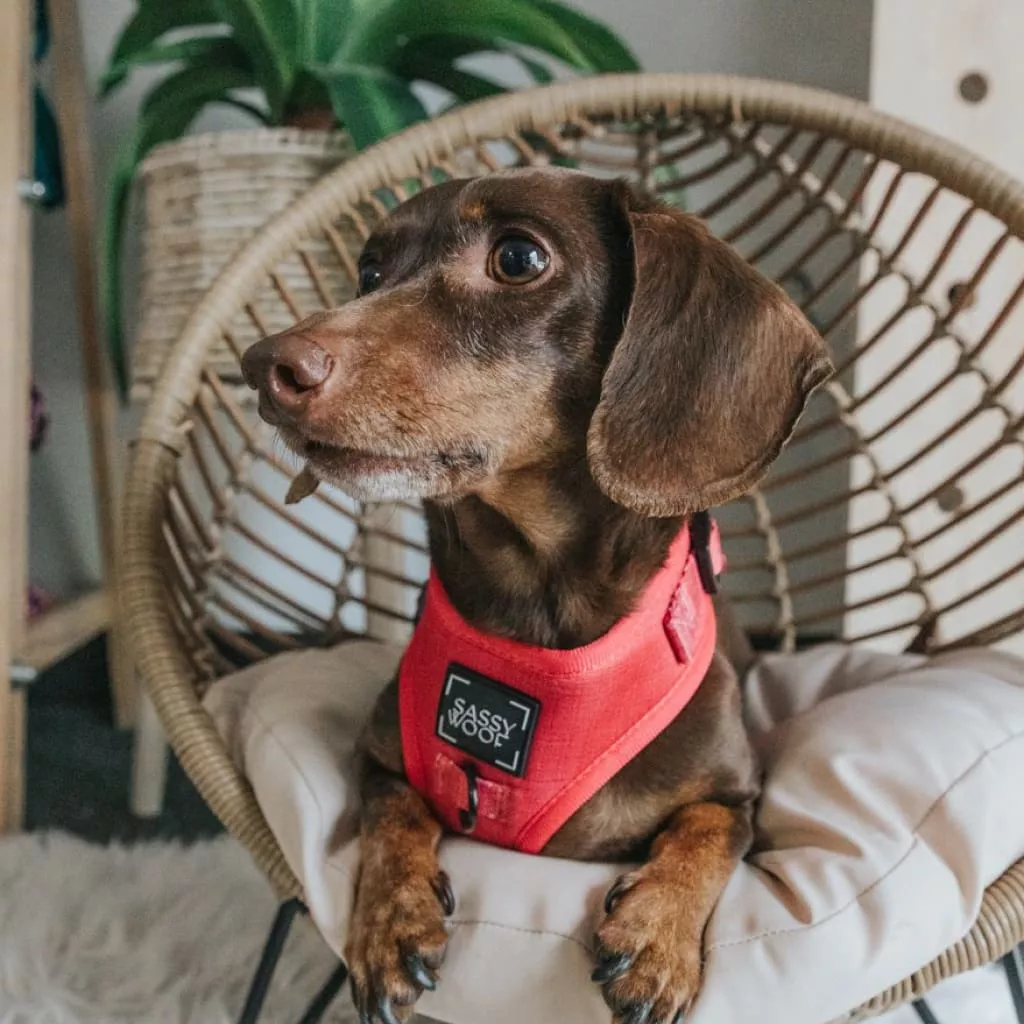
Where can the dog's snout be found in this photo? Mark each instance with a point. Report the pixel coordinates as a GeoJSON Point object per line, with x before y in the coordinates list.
{"type": "Point", "coordinates": [285, 369]}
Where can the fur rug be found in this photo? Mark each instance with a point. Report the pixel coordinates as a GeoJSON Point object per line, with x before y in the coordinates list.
{"type": "Point", "coordinates": [150, 934]}
{"type": "Point", "coordinates": [169, 934]}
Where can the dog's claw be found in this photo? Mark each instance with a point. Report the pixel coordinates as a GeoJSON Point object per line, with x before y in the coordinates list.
{"type": "Point", "coordinates": [385, 1012]}
{"type": "Point", "coordinates": [616, 892]}
{"type": "Point", "coordinates": [396, 939]}
{"type": "Point", "coordinates": [611, 966]}
{"type": "Point", "coordinates": [358, 1002]}
{"type": "Point", "coordinates": [419, 973]}
{"type": "Point", "coordinates": [637, 1014]}
{"type": "Point", "coordinates": [443, 889]}
{"type": "Point", "coordinates": [648, 974]}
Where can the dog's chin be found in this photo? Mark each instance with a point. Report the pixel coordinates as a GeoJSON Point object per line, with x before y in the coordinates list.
{"type": "Point", "coordinates": [387, 485]}
{"type": "Point", "coordinates": [375, 477]}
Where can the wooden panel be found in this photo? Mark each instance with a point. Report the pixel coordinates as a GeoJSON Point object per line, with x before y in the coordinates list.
{"type": "Point", "coordinates": [73, 115]}
{"type": "Point", "coordinates": [955, 69]}
{"type": "Point", "coordinates": [62, 631]}
{"type": "Point", "coordinates": [14, 390]}
{"type": "Point", "coordinates": [921, 51]}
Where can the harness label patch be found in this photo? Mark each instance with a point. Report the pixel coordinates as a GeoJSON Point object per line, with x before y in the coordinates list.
{"type": "Point", "coordinates": [487, 719]}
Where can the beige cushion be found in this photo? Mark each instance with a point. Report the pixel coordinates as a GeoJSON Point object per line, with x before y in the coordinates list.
{"type": "Point", "coordinates": [892, 800]}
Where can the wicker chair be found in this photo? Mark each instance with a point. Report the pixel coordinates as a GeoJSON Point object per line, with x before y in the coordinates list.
{"type": "Point", "coordinates": [894, 518]}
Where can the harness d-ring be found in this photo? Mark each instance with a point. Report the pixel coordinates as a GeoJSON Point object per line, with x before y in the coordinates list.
{"type": "Point", "coordinates": [468, 814]}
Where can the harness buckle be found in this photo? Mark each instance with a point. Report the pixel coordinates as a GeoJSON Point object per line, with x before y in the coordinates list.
{"type": "Point", "coordinates": [468, 814]}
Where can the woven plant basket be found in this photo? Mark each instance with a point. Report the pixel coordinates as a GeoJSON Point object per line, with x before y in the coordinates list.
{"type": "Point", "coordinates": [203, 197]}
{"type": "Point", "coordinates": [895, 517]}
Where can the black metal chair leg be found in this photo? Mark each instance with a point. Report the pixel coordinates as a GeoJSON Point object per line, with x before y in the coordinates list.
{"type": "Point", "coordinates": [1013, 965]}
{"type": "Point", "coordinates": [325, 996]}
{"type": "Point", "coordinates": [286, 914]}
{"type": "Point", "coordinates": [924, 1011]}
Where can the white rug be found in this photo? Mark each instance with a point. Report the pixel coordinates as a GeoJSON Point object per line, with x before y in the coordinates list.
{"type": "Point", "coordinates": [153, 934]}
{"type": "Point", "coordinates": [166, 934]}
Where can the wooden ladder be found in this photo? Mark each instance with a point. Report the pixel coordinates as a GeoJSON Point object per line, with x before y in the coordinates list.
{"type": "Point", "coordinates": [25, 649]}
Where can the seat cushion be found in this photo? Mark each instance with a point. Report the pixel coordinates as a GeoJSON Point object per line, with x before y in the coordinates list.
{"type": "Point", "coordinates": [891, 800]}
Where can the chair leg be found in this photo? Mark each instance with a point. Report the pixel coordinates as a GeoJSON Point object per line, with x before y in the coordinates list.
{"type": "Point", "coordinates": [924, 1011]}
{"type": "Point", "coordinates": [286, 914]}
{"type": "Point", "coordinates": [325, 996]}
{"type": "Point", "coordinates": [149, 762]}
{"type": "Point", "coordinates": [1013, 965]}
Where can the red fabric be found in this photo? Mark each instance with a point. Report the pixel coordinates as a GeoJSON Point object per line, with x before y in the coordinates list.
{"type": "Point", "coordinates": [600, 704]}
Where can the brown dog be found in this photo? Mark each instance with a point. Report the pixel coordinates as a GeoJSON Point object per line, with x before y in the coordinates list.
{"type": "Point", "coordinates": [564, 371]}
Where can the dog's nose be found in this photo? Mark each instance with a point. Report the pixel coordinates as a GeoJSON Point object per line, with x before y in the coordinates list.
{"type": "Point", "coordinates": [285, 369]}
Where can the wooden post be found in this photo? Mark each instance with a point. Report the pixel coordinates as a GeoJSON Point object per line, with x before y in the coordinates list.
{"type": "Point", "coordinates": [71, 94]}
{"type": "Point", "coordinates": [15, 270]}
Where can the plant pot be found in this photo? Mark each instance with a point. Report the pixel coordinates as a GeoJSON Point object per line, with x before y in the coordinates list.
{"type": "Point", "coordinates": [203, 197]}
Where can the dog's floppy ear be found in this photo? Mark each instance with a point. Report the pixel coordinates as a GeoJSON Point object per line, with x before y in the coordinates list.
{"type": "Point", "coordinates": [706, 383]}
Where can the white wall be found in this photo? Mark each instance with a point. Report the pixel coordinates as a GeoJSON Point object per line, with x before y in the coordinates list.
{"type": "Point", "coordinates": [824, 43]}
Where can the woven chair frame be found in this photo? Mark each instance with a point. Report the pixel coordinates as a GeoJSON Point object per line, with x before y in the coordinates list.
{"type": "Point", "coordinates": [905, 470]}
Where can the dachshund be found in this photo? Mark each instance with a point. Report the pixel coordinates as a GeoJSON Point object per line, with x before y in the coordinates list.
{"type": "Point", "coordinates": [566, 373]}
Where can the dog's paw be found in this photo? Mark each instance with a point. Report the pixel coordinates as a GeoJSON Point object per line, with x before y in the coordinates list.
{"type": "Point", "coordinates": [396, 940]}
{"type": "Point", "coordinates": [649, 956]}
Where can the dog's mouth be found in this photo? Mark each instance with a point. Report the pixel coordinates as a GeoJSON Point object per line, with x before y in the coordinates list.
{"type": "Point", "coordinates": [380, 475]}
{"type": "Point", "coordinates": [342, 459]}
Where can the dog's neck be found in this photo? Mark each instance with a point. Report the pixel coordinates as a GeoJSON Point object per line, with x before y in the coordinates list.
{"type": "Point", "coordinates": [543, 557]}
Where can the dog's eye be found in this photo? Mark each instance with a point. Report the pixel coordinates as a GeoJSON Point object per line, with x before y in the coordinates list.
{"type": "Point", "coordinates": [369, 278]}
{"type": "Point", "coordinates": [518, 261]}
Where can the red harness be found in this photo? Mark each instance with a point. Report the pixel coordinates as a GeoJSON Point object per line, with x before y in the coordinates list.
{"type": "Point", "coordinates": [507, 741]}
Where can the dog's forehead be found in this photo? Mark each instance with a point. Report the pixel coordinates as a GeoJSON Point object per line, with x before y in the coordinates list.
{"type": "Point", "coordinates": [540, 193]}
{"type": "Point", "coordinates": [421, 213]}
{"type": "Point", "coordinates": [556, 196]}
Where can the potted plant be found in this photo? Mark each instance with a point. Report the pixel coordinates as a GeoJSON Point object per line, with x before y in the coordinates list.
{"type": "Point", "coordinates": [320, 77]}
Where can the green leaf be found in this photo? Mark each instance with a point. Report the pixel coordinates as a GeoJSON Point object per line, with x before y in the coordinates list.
{"type": "Point", "coordinates": [370, 102]}
{"type": "Point", "coordinates": [378, 32]}
{"type": "Point", "coordinates": [204, 49]}
{"type": "Point", "coordinates": [256, 113]}
{"type": "Point", "coordinates": [676, 196]}
{"type": "Point", "coordinates": [268, 32]}
{"type": "Point", "coordinates": [440, 50]}
{"type": "Point", "coordinates": [603, 48]}
{"type": "Point", "coordinates": [540, 73]}
{"type": "Point", "coordinates": [322, 27]}
{"type": "Point", "coordinates": [307, 94]}
{"type": "Point", "coordinates": [152, 20]}
{"type": "Point", "coordinates": [166, 113]}
{"type": "Point", "coordinates": [464, 85]}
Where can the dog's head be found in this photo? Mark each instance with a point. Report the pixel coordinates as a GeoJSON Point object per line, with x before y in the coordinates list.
{"type": "Point", "coordinates": [537, 318]}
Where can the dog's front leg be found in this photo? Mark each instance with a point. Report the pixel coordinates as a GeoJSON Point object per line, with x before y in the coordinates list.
{"type": "Point", "coordinates": [397, 934]}
{"type": "Point", "coordinates": [649, 957]}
